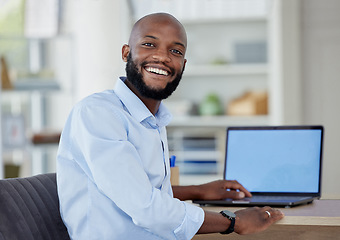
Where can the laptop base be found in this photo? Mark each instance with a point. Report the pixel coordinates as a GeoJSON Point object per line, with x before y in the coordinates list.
{"type": "Point", "coordinates": [258, 201]}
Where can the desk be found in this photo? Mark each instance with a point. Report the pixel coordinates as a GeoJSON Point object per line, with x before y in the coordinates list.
{"type": "Point", "coordinates": [317, 221]}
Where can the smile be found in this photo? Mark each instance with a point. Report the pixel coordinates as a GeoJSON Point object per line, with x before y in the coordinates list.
{"type": "Point", "coordinates": [157, 71]}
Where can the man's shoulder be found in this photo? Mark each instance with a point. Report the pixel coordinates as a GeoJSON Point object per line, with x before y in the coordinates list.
{"type": "Point", "coordinates": [106, 101]}
{"type": "Point", "coordinates": [97, 99]}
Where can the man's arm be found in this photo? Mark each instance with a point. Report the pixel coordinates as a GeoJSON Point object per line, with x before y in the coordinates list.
{"type": "Point", "coordinates": [250, 220]}
{"type": "Point", "coordinates": [215, 190]}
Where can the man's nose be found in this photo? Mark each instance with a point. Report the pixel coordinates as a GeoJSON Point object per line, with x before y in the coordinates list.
{"type": "Point", "coordinates": [162, 55]}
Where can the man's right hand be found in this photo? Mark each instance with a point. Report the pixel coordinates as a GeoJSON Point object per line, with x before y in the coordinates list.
{"type": "Point", "coordinates": [253, 220]}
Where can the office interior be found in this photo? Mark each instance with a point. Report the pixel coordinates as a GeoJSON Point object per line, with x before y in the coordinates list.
{"type": "Point", "coordinates": [250, 62]}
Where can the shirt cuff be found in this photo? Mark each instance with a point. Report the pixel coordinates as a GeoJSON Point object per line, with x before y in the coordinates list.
{"type": "Point", "coordinates": [192, 222]}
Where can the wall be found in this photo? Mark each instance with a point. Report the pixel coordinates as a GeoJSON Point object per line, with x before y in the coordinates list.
{"type": "Point", "coordinates": [321, 83]}
{"type": "Point", "coordinates": [100, 29]}
{"type": "Point", "coordinates": [285, 104]}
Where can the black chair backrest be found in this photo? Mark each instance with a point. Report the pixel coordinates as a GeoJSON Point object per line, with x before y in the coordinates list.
{"type": "Point", "coordinates": [29, 209]}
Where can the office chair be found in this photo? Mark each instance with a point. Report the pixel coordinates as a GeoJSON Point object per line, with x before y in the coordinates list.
{"type": "Point", "coordinates": [29, 209]}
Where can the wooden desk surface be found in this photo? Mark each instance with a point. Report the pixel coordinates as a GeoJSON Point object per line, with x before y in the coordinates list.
{"type": "Point", "coordinates": [318, 220]}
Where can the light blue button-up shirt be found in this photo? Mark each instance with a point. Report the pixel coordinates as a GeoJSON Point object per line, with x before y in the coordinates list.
{"type": "Point", "coordinates": [113, 172]}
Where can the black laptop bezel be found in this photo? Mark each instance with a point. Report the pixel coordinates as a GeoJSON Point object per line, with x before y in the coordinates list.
{"type": "Point", "coordinates": [315, 195]}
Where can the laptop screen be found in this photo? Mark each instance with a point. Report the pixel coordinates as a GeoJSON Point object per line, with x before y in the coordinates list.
{"type": "Point", "coordinates": [275, 159]}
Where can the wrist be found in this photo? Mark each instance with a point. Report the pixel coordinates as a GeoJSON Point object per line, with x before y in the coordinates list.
{"type": "Point", "coordinates": [237, 224]}
{"type": "Point", "coordinates": [196, 192]}
{"type": "Point", "coordinates": [232, 217]}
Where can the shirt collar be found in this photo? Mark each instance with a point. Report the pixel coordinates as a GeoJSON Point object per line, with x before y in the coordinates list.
{"type": "Point", "coordinates": [138, 110]}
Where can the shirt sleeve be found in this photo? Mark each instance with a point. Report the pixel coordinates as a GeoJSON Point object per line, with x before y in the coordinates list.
{"type": "Point", "coordinates": [114, 165]}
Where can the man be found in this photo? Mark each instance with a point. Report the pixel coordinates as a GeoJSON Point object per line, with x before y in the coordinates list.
{"type": "Point", "coordinates": [113, 169]}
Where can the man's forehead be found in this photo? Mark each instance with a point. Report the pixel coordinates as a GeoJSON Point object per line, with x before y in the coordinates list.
{"type": "Point", "coordinates": [152, 25]}
{"type": "Point", "coordinates": [158, 18]}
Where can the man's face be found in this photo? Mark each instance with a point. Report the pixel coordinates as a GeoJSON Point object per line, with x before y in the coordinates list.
{"type": "Point", "coordinates": [155, 57]}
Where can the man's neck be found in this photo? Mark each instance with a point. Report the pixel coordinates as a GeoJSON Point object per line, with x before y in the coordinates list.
{"type": "Point", "coordinates": [151, 104]}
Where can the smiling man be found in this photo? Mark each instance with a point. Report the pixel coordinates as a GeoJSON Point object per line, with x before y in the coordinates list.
{"type": "Point", "coordinates": [113, 168]}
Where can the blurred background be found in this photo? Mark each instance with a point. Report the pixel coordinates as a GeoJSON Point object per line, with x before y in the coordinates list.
{"type": "Point", "coordinates": [250, 62]}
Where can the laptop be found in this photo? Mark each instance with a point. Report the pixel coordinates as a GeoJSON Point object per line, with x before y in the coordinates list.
{"type": "Point", "coordinates": [279, 165]}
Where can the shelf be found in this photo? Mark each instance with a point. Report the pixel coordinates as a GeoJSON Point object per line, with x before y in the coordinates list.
{"type": "Point", "coordinates": [189, 179]}
{"type": "Point", "coordinates": [38, 98]}
{"type": "Point", "coordinates": [36, 85]}
{"type": "Point", "coordinates": [197, 155]}
{"type": "Point", "coordinates": [224, 20]}
{"type": "Point", "coordinates": [231, 69]}
{"type": "Point", "coordinates": [16, 37]}
{"type": "Point", "coordinates": [218, 121]}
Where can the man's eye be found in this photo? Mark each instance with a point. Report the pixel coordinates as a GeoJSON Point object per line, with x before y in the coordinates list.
{"type": "Point", "coordinates": [176, 51]}
{"type": "Point", "coordinates": [148, 44]}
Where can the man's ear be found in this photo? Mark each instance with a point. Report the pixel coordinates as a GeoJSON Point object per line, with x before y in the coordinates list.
{"type": "Point", "coordinates": [125, 52]}
{"type": "Point", "coordinates": [185, 62]}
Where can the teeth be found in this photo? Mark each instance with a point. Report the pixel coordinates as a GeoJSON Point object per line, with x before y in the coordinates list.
{"type": "Point", "coordinates": [157, 70]}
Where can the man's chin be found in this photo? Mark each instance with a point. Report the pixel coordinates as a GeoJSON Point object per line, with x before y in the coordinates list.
{"type": "Point", "coordinates": [156, 89]}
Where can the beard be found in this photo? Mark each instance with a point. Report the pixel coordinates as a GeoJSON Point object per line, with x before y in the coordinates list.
{"type": "Point", "coordinates": [136, 79]}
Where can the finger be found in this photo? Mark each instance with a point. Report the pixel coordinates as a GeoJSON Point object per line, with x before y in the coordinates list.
{"type": "Point", "coordinates": [268, 214]}
{"type": "Point", "coordinates": [235, 185]}
{"type": "Point", "coordinates": [243, 189]}
{"type": "Point", "coordinates": [234, 194]}
{"type": "Point", "coordinates": [266, 208]}
{"type": "Point", "coordinates": [272, 214]}
{"type": "Point", "coordinates": [276, 214]}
